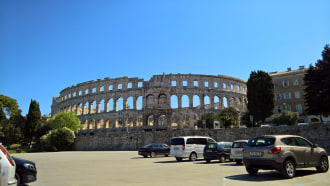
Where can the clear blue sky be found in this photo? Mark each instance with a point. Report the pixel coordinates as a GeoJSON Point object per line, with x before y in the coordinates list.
{"type": "Point", "coordinates": [48, 45]}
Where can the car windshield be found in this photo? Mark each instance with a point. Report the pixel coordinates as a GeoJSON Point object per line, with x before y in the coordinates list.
{"type": "Point", "coordinates": [212, 145]}
{"type": "Point", "coordinates": [226, 145]}
{"type": "Point", "coordinates": [177, 141]}
{"type": "Point", "coordinates": [261, 141]}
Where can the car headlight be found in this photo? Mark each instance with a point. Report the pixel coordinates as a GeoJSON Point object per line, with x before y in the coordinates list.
{"type": "Point", "coordinates": [29, 166]}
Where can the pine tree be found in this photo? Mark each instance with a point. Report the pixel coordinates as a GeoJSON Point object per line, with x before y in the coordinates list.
{"type": "Point", "coordinates": [32, 121]}
{"type": "Point", "coordinates": [260, 94]}
{"type": "Point", "coordinates": [317, 81]}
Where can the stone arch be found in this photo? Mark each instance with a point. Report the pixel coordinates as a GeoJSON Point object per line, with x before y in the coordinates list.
{"type": "Point", "coordinates": [150, 99]}
{"type": "Point", "coordinates": [139, 122]}
{"type": "Point", "coordinates": [207, 102]}
{"type": "Point", "coordinates": [91, 124]}
{"type": "Point", "coordinates": [85, 124]}
{"type": "Point", "coordinates": [119, 122]}
{"type": "Point", "coordinates": [162, 121]}
{"type": "Point", "coordinates": [119, 104]}
{"type": "Point", "coordinates": [162, 99]}
{"type": "Point", "coordinates": [196, 101]}
{"type": "Point", "coordinates": [100, 123]}
{"type": "Point", "coordinates": [217, 104]}
{"type": "Point", "coordinates": [139, 103]}
{"type": "Point", "coordinates": [108, 123]}
{"type": "Point", "coordinates": [151, 120]}
{"type": "Point", "coordinates": [185, 101]}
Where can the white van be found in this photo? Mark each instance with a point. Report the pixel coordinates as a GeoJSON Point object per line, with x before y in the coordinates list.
{"type": "Point", "coordinates": [191, 147]}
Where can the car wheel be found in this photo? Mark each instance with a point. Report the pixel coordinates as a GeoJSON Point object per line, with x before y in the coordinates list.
{"type": "Point", "coordinates": [208, 161]}
{"type": "Point", "coordinates": [289, 169]}
{"type": "Point", "coordinates": [323, 165]}
{"type": "Point", "coordinates": [239, 162]}
{"type": "Point", "coordinates": [145, 156]}
{"type": "Point", "coordinates": [153, 154]}
{"type": "Point", "coordinates": [222, 159]}
{"type": "Point", "coordinates": [18, 179]}
{"type": "Point", "coordinates": [166, 155]}
{"type": "Point", "coordinates": [178, 159]}
{"type": "Point", "coordinates": [193, 156]}
{"type": "Point", "coordinates": [251, 171]}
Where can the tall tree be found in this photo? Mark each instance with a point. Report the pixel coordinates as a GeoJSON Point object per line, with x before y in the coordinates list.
{"type": "Point", "coordinates": [260, 94]}
{"type": "Point", "coordinates": [32, 121]}
{"type": "Point", "coordinates": [228, 116]}
{"type": "Point", "coordinates": [317, 81]}
{"type": "Point", "coordinates": [11, 121]}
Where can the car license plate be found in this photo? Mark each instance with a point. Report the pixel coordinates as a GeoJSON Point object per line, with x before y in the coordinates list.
{"type": "Point", "coordinates": [176, 148]}
{"type": "Point", "coordinates": [238, 152]}
{"type": "Point", "coordinates": [208, 150]}
{"type": "Point", "coordinates": [255, 154]}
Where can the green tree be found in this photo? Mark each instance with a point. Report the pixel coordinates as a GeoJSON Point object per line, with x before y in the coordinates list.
{"type": "Point", "coordinates": [317, 81]}
{"type": "Point", "coordinates": [285, 117]}
{"type": "Point", "coordinates": [260, 94]}
{"type": "Point", "coordinates": [58, 139]}
{"type": "Point", "coordinates": [228, 116]}
{"type": "Point", "coordinates": [65, 119]}
{"type": "Point", "coordinates": [209, 119]}
{"type": "Point", "coordinates": [11, 121]}
{"type": "Point", "coordinates": [32, 121]}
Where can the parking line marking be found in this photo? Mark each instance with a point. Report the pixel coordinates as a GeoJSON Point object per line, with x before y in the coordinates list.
{"type": "Point", "coordinates": [314, 182]}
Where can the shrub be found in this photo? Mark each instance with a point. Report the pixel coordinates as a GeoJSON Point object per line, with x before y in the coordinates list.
{"type": "Point", "coordinates": [58, 140]}
{"type": "Point", "coordinates": [285, 117]}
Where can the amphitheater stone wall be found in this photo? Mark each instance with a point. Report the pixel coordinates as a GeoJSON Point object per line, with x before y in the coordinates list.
{"type": "Point", "coordinates": [132, 140]}
{"type": "Point", "coordinates": [168, 101]}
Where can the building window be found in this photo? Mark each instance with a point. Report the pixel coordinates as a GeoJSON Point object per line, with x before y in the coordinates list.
{"type": "Point", "coordinates": [297, 94]}
{"type": "Point", "coordinates": [184, 83]}
{"type": "Point", "coordinates": [278, 109]}
{"type": "Point", "coordinates": [215, 85]}
{"type": "Point", "coordinates": [129, 85]}
{"type": "Point", "coordinates": [120, 86]}
{"type": "Point", "coordinates": [206, 84]}
{"type": "Point", "coordinates": [173, 83]}
{"type": "Point", "coordinates": [111, 87]}
{"type": "Point", "coordinates": [140, 84]}
{"type": "Point", "coordinates": [195, 83]}
{"type": "Point", "coordinates": [299, 109]}
{"type": "Point", "coordinates": [285, 83]}
{"type": "Point", "coordinates": [287, 95]}
{"type": "Point", "coordinates": [296, 82]}
{"type": "Point", "coordinates": [276, 84]}
{"type": "Point", "coordinates": [278, 96]}
{"type": "Point", "coordinates": [287, 107]}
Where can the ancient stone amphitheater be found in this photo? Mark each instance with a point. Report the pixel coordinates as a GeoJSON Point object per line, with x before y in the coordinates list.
{"type": "Point", "coordinates": [165, 102]}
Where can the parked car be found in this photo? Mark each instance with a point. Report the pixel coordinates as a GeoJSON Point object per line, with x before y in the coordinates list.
{"type": "Point", "coordinates": [153, 150]}
{"type": "Point", "coordinates": [26, 171]}
{"type": "Point", "coordinates": [8, 167]}
{"type": "Point", "coordinates": [217, 151]}
{"type": "Point", "coordinates": [284, 153]}
{"type": "Point", "coordinates": [191, 147]}
{"type": "Point", "coordinates": [236, 153]}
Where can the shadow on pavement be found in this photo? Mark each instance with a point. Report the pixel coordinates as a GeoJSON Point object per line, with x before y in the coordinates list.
{"type": "Point", "coordinates": [268, 176]}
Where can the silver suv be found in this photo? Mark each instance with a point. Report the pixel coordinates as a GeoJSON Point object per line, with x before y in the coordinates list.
{"type": "Point", "coordinates": [284, 153]}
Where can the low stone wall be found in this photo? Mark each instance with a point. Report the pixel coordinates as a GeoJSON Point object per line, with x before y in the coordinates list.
{"type": "Point", "coordinates": [122, 140]}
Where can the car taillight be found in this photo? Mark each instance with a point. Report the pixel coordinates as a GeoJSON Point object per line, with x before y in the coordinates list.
{"type": "Point", "coordinates": [144, 149]}
{"type": "Point", "coordinates": [7, 155]}
{"type": "Point", "coordinates": [275, 150]}
{"type": "Point", "coordinates": [243, 150]}
{"type": "Point", "coordinates": [216, 150]}
{"type": "Point", "coordinates": [183, 146]}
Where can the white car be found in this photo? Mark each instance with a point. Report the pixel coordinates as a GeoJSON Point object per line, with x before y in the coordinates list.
{"type": "Point", "coordinates": [191, 147]}
{"type": "Point", "coordinates": [8, 168]}
{"type": "Point", "coordinates": [236, 152]}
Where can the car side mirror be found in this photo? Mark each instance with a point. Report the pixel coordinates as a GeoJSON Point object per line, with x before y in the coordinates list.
{"type": "Point", "coordinates": [315, 145]}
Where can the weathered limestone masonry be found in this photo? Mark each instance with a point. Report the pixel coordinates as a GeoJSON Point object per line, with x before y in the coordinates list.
{"type": "Point", "coordinates": [316, 133]}
{"type": "Point", "coordinates": [165, 102]}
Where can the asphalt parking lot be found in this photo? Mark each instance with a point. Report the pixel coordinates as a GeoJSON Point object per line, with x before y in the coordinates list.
{"type": "Point", "coordinates": [100, 168]}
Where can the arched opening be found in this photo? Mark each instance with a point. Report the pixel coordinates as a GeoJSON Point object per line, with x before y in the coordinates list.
{"type": "Point", "coordinates": [85, 124]}
{"type": "Point", "coordinates": [150, 99]}
{"type": "Point", "coordinates": [139, 103]}
{"type": "Point", "coordinates": [119, 104]}
{"type": "Point", "coordinates": [196, 101]}
{"type": "Point", "coordinates": [216, 103]}
{"type": "Point", "coordinates": [225, 103]}
{"type": "Point", "coordinates": [185, 101]}
{"type": "Point", "coordinates": [110, 106]}
{"type": "Point", "coordinates": [119, 122]}
{"type": "Point", "coordinates": [93, 107]}
{"type": "Point", "coordinates": [186, 121]}
{"type": "Point", "coordinates": [150, 120]}
{"type": "Point", "coordinates": [99, 123]}
{"type": "Point", "coordinates": [86, 110]}
{"type": "Point", "coordinates": [162, 99]}
{"type": "Point", "coordinates": [174, 102]}
{"type": "Point", "coordinates": [162, 120]}
{"type": "Point", "coordinates": [108, 123]}
{"type": "Point", "coordinates": [102, 105]}
{"type": "Point", "coordinates": [130, 103]}
{"type": "Point", "coordinates": [207, 104]}
{"type": "Point", "coordinates": [139, 122]}
{"type": "Point", "coordinates": [92, 124]}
